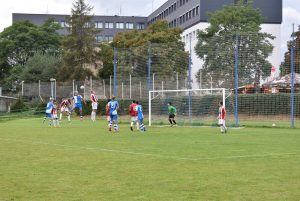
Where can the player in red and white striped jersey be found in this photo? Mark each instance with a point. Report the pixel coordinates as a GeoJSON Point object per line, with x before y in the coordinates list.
{"type": "Point", "coordinates": [94, 101]}
{"type": "Point", "coordinates": [65, 106]}
{"type": "Point", "coordinates": [222, 116]}
{"type": "Point", "coordinates": [107, 110]}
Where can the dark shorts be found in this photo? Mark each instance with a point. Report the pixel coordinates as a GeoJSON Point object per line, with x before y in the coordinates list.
{"type": "Point", "coordinates": [171, 116]}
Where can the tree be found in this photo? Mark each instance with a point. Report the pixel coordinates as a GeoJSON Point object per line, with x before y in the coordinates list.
{"type": "Point", "coordinates": [80, 44]}
{"type": "Point", "coordinates": [285, 67]}
{"type": "Point", "coordinates": [22, 40]}
{"type": "Point", "coordinates": [158, 41]}
{"type": "Point", "coordinates": [106, 55]}
{"type": "Point", "coordinates": [235, 26]}
{"type": "Point", "coordinates": [40, 67]}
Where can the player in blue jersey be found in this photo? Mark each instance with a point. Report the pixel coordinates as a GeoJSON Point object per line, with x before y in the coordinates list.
{"type": "Point", "coordinates": [77, 103]}
{"type": "Point", "coordinates": [113, 107]}
{"type": "Point", "coordinates": [48, 112]}
{"type": "Point", "coordinates": [140, 117]}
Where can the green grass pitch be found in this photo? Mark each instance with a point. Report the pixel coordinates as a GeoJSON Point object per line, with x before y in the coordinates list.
{"type": "Point", "coordinates": [83, 161]}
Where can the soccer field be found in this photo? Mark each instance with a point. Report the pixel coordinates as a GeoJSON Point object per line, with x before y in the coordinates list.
{"type": "Point", "coordinates": [83, 161]}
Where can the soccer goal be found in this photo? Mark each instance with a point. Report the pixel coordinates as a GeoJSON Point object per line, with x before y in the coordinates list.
{"type": "Point", "coordinates": [193, 106]}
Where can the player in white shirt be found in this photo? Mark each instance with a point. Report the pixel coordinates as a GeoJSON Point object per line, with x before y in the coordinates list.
{"type": "Point", "coordinates": [221, 117]}
{"type": "Point", "coordinates": [94, 101]}
{"type": "Point", "coordinates": [54, 114]}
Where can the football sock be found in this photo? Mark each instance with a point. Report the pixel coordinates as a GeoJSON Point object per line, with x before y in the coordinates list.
{"type": "Point", "coordinates": [142, 127]}
{"type": "Point", "coordinates": [116, 127]}
{"type": "Point", "coordinates": [60, 116]}
{"type": "Point", "coordinates": [170, 121]}
{"type": "Point", "coordinates": [174, 121]}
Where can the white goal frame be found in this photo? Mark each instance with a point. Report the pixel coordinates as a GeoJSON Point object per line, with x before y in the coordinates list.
{"type": "Point", "coordinates": [182, 90]}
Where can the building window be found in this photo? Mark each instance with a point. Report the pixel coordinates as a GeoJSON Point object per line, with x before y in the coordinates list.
{"type": "Point", "coordinates": [194, 10]}
{"type": "Point", "coordinates": [99, 39]}
{"type": "Point", "coordinates": [140, 26]}
{"type": "Point", "coordinates": [186, 16]}
{"type": "Point", "coordinates": [109, 25]}
{"type": "Point", "coordinates": [99, 25]}
{"type": "Point", "coordinates": [120, 25]}
{"type": "Point", "coordinates": [190, 14]}
{"type": "Point", "coordinates": [175, 23]}
{"type": "Point", "coordinates": [129, 25]}
{"type": "Point", "coordinates": [180, 3]}
{"type": "Point", "coordinates": [62, 23]}
{"type": "Point", "coordinates": [108, 38]}
{"type": "Point", "coordinates": [197, 10]}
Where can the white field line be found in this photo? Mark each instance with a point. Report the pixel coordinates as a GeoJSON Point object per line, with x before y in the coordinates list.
{"type": "Point", "coordinates": [147, 154]}
{"type": "Point", "coordinates": [214, 127]}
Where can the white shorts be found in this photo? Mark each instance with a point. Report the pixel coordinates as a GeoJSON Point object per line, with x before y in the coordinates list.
{"type": "Point", "coordinates": [108, 118]}
{"type": "Point", "coordinates": [222, 122]}
{"type": "Point", "coordinates": [64, 109]}
{"type": "Point", "coordinates": [94, 105]}
{"type": "Point", "coordinates": [54, 116]}
{"type": "Point", "coordinates": [133, 118]}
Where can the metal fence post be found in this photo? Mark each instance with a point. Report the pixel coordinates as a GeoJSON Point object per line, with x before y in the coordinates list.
{"type": "Point", "coordinates": [122, 91]}
{"type": "Point", "coordinates": [130, 86]}
{"type": "Point", "coordinates": [73, 87]}
{"type": "Point", "coordinates": [236, 81]}
{"type": "Point", "coordinates": [293, 79]}
{"type": "Point", "coordinates": [22, 85]}
{"type": "Point", "coordinates": [149, 67]}
{"type": "Point", "coordinates": [39, 88]}
{"type": "Point", "coordinates": [104, 95]}
{"type": "Point", "coordinates": [115, 72]}
{"type": "Point", "coordinates": [110, 86]}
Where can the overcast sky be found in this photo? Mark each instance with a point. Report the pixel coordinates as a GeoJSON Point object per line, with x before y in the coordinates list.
{"type": "Point", "coordinates": [291, 10]}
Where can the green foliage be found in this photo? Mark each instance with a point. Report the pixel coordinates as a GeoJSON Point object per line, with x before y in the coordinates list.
{"type": "Point", "coordinates": [40, 67]}
{"type": "Point", "coordinates": [285, 67]}
{"type": "Point", "coordinates": [23, 40]}
{"type": "Point", "coordinates": [79, 45]}
{"type": "Point", "coordinates": [163, 44]}
{"type": "Point", "coordinates": [158, 32]}
{"type": "Point", "coordinates": [18, 106]}
{"type": "Point", "coordinates": [106, 55]}
{"type": "Point", "coordinates": [234, 24]}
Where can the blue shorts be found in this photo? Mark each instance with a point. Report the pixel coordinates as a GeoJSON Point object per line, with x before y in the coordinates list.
{"type": "Point", "coordinates": [79, 106]}
{"type": "Point", "coordinates": [113, 117]}
{"type": "Point", "coordinates": [49, 115]}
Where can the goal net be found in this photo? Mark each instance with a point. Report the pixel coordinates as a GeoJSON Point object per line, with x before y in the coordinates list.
{"type": "Point", "coordinates": [195, 107]}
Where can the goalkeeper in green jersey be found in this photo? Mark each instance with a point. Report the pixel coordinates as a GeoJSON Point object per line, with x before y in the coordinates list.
{"type": "Point", "coordinates": [172, 114]}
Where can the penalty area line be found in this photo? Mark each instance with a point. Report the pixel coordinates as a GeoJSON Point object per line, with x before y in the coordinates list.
{"type": "Point", "coordinates": [148, 154]}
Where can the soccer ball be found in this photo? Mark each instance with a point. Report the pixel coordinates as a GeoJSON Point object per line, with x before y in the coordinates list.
{"type": "Point", "coordinates": [273, 125]}
{"type": "Point", "coordinates": [82, 87]}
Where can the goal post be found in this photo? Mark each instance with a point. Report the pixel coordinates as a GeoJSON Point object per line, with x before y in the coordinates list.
{"type": "Point", "coordinates": [187, 101]}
